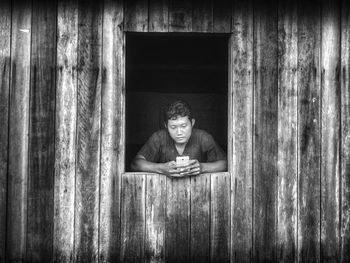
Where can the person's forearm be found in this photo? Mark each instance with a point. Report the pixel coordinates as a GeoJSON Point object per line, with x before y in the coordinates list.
{"type": "Point", "coordinates": [218, 166]}
{"type": "Point", "coordinates": [141, 165]}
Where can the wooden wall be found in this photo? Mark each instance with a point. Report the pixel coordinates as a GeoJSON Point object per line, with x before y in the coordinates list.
{"type": "Point", "coordinates": [63, 194]}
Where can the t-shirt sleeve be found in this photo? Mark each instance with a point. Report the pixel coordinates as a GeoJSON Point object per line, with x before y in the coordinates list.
{"type": "Point", "coordinates": [150, 150]}
{"type": "Point", "coordinates": [212, 150]}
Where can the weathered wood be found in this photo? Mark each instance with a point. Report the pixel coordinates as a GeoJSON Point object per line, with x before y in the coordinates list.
{"type": "Point", "coordinates": [309, 132]}
{"type": "Point", "coordinates": [177, 224]}
{"type": "Point", "coordinates": [240, 130]}
{"type": "Point", "coordinates": [136, 15]}
{"type": "Point", "coordinates": [220, 218]}
{"type": "Point", "coordinates": [5, 56]}
{"type": "Point", "coordinates": [287, 132]}
{"type": "Point", "coordinates": [158, 15]}
{"type": "Point", "coordinates": [345, 132]}
{"type": "Point", "coordinates": [19, 126]}
{"type": "Point", "coordinates": [87, 178]}
{"type": "Point", "coordinates": [330, 141]}
{"type": "Point", "coordinates": [180, 16]}
{"type": "Point", "coordinates": [222, 15]}
{"type": "Point", "coordinates": [202, 16]}
{"type": "Point", "coordinates": [133, 217]}
{"type": "Point", "coordinates": [200, 218]}
{"type": "Point", "coordinates": [265, 132]}
{"type": "Point", "coordinates": [155, 218]}
{"type": "Point", "coordinates": [41, 133]}
{"type": "Point", "coordinates": [112, 130]}
{"type": "Point", "coordinates": [65, 131]}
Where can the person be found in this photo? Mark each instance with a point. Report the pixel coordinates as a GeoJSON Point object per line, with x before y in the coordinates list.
{"type": "Point", "coordinates": [180, 138]}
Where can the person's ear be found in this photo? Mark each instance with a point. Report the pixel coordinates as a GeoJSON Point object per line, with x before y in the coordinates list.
{"type": "Point", "coordinates": [165, 126]}
{"type": "Point", "coordinates": [193, 121]}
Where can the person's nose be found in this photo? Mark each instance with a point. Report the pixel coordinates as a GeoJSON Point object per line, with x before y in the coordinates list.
{"type": "Point", "coordinates": [179, 131]}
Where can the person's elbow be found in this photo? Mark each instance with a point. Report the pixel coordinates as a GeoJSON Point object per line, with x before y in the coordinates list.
{"type": "Point", "coordinates": [223, 166]}
{"type": "Point", "coordinates": [136, 164]}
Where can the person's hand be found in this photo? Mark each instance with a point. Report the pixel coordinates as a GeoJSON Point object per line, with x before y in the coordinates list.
{"type": "Point", "coordinates": [192, 168]}
{"type": "Point", "coordinates": [170, 169]}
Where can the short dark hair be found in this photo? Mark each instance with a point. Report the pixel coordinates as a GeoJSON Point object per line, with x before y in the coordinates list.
{"type": "Point", "coordinates": [178, 108]}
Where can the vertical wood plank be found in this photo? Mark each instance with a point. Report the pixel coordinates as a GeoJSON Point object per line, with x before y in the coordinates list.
{"type": "Point", "coordinates": [19, 128]}
{"type": "Point", "coordinates": [155, 218]}
{"type": "Point", "coordinates": [112, 130]}
{"type": "Point", "coordinates": [133, 217]}
{"type": "Point", "coordinates": [222, 15]}
{"type": "Point", "coordinates": [87, 180]}
{"type": "Point", "coordinates": [177, 224]}
{"type": "Point", "coordinates": [180, 16]}
{"type": "Point", "coordinates": [5, 57]}
{"type": "Point", "coordinates": [202, 16]}
{"type": "Point", "coordinates": [309, 131]}
{"type": "Point", "coordinates": [65, 136]}
{"type": "Point", "coordinates": [287, 132]}
{"type": "Point", "coordinates": [158, 15]}
{"type": "Point", "coordinates": [330, 141]}
{"type": "Point", "coordinates": [136, 15]}
{"type": "Point", "coordinates": [345, 132]}
{"type": "Point", "coordinates": [265, 132]}
{"type": "Point", "coordinates": [200, 218]}
{"type": "Point", "coordinates": [220, 218]}
{"type": "Point", "coordinates": [240, 130]}
{"type": "Point", "coordinates": [42, 133]}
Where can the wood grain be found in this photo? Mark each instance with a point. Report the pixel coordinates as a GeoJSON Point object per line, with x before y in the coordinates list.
{"type": "Point", "coordinates": [65, 131]}
{"type": "Point", "coordinates": [330, 139]}
{"type": "Point", "coordinates": [136, 15]}
{"type": "Point", "coordinates": [155, 218]}
{"type": "Point", "coordinates": [202, 16]}
{"type": "Point", "coordinates": [177, 224]}
{"type": "Point", "coordinates": [220, 218]}
{"type": "Point", "coordinates": [19, 128]}
{"type": "Point", "coordinates": [158, 15]}
{"type": "Point", "coordinates": [200, 218]}
{"type": "Point", "coordinates": [240, 130]}
{"type": "Point", "coordinates": [133, 217]}
{"type": "Point", "coordinates": [86, 219]}
{"type": "Point", "coordinates": [287, 132]}
{"type": "Point", "coordinates": [345, 132]}
{"type": "Point", "coordinates": [180, 16]}
{"type": "Point", "coordinates": [309, 132]}
{"type": "Point", "coordinates": [5, 62]}
{"type": "Point", "coordinates": [265, 132]}
{"type": "Point", "coordinates": [222, 15]}
{"type": "Point", "coordinates": [42, 133]}
{"type": "Point", "coordinates": [112, 130]}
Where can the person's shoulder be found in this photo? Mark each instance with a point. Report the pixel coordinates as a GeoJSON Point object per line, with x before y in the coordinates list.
{"type": "Point", "coordinates": [201, 133]}
{"type": "Point", "coordinates": [160, 134]}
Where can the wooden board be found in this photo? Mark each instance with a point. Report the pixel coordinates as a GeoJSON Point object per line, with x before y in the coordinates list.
{"type": "Point", "coordinates": [200, 218]}
{"type": "Point", "coordinates": [177, 224]}
{"type": "Point", "coordinates": [86, 219]}
{"type": "Point", "coordinates": [309, 132]}
{"type": "Point", "coordinates": [345, 132]}
{"type": "Point", "coordinates": [265, 132]}
{"type": "Point", "coordinates": [41, 133]}
{"type": "Point", "coordinates": [5, 62]}
{"type": "Point", "coordinates": [158, 15]}
{"type": "Point", "coordinates": [287, 132]}
{"type": "Point", "coordinates": [180, 16]}
{"type": "Point", "coordinates": [222, 15]}
{"type": "Point", "coordinates": [220, 218]}
{"type": "Point", "coordinates": [155, 218]}
{"type": "Point", "coordinates": [19, 128]}
{"type": "Point", "coordinates": [330, 139]}
{"type": "Point", "coordinates": [136, 15]}
{"type": "Point", "coordinates": [65, 131]}
{"type": "Point", "coordinates": [240, 163]}
{"type": "Point", "coordinates": [112, 130]}
{"type": "Point", "coordinates": [133, 217]}
{"type": "Point", "coordinates": [202, 16]}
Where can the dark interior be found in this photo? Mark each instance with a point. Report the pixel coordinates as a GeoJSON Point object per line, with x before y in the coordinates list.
{"type": "Point", "coordinates": [163, 67]}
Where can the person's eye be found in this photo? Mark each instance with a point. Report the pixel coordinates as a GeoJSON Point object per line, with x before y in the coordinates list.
{"type": "Point", "coordinates": [184, 125]}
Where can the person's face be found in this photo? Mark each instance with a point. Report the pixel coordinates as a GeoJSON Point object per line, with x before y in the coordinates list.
{"type": "Point", "coordinates": [180, 129]}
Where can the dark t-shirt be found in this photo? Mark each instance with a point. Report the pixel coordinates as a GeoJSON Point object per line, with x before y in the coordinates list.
{"type": "Point", "coordinates": [160, 148]}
